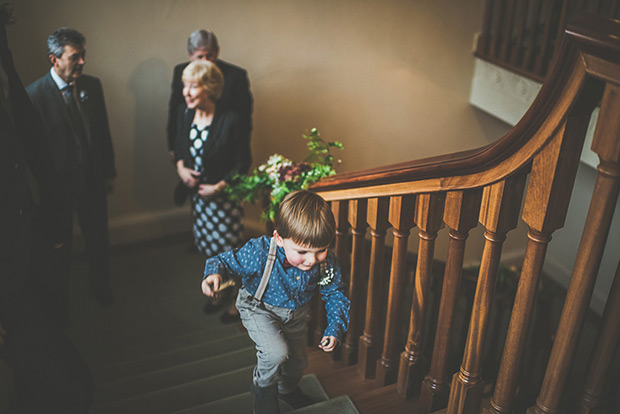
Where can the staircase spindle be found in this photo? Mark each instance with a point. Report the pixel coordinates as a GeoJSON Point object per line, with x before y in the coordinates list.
{"type": "Point", "coordinates": [585, 269]}
{"type": "Point", "coordinates": [461, 215]}
{"type": "Point", "coordinates": [357, 219]}
{"type": "Point", "coordinates": [593, 397]}
{"type": "Point", "coordinates": [401, 216]}
{"type": "Point", "coordinates": [341, 249]}
{"type": "Point", "coordinates": [370, 341]}
{"type": "Point", "coordinates": [546, 205]}
{"type": "Point", "coordinates": [499, 214]}
{"type": "Point", "coordinates": [429, 218]}
{"type": "Point", "coordinates": [516, 56]}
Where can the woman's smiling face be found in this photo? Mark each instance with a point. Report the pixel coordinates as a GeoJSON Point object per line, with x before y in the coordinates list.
{"type": "Point", "coordinates": [195, 95]}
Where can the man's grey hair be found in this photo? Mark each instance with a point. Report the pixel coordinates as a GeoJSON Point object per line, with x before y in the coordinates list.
{"type": "Point", "coordinates": [62, 37]}
{"type": "Point", "coordinates": [202, 39]}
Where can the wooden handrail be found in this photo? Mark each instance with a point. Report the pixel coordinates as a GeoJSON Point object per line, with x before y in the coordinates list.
{"type": "Point", "coordinates": [587, 36]}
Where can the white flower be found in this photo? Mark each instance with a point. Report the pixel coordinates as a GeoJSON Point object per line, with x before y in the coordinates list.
{"type": "Point", "coordinates": [83, 95]}
{"type": "Point", "coordinates": [327, 274]}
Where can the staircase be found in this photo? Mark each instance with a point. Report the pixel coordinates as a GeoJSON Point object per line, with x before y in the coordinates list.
{"type": "Point", "coordinates": [155, 351]}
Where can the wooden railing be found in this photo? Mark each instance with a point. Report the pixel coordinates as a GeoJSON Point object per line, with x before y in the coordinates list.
{"type": "Point", "coordinates": [522, 35]}
{"type": "Point", "coordinates": [528, 174]}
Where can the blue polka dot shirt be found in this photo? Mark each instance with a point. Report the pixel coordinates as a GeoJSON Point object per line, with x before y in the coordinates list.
{"type": "Point", "coordinates": [289, 287]}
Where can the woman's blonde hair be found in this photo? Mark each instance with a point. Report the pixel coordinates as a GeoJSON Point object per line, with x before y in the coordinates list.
{"type": "Point", "coordinates": [207, 75]}
{"type": "Point", "coordinates": [307, 219]}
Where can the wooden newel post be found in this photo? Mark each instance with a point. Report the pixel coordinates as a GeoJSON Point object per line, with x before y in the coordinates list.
{"type": "Point", "coordinates": [499, 214]}
{"type": "Point", "coordinates": [429, 218]}
{"type": "Point", "coordinates": [402, 211]}
{"type": "Point", "coordinates": [461, 215]}
{"type": "Point", "coordinates": [370, 341]}
{"type": "Point", "coordinates": [546, 205]}
{"type": "Point", "coordinates": [606, 144]}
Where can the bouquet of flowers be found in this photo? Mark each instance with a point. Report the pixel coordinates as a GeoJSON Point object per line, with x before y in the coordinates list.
{"type": "Point", "coordinates": [279, 176]}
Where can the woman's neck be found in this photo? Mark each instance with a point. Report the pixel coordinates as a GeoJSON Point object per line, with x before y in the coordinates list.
{"type": "Point", "coordinates": [204, 116]}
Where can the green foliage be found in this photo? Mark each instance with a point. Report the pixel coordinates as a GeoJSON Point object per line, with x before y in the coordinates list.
{"type": "Point", "coordinates": [279, 176]}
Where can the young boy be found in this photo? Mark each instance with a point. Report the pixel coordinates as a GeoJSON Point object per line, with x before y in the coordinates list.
{"type": "Point", "coordinates": [304, 229]}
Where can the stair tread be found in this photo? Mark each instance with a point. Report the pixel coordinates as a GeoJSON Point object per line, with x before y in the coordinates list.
{"type": "Point", "coordinates": [184, 395]}
{"type": "Point", "coordinates": [338, 405]}
{"type": "Point", "coordinates": [176, 356]}
{"type": "Point", "coordinates": [175, 374]}
{"type": "Point", "coordinates": [136, 350]}
{"type": "Point", "coordinates": [242, 403]}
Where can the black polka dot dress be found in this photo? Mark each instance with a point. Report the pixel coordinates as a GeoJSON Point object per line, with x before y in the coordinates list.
{"type": "Point", "coordinates": [217, 220]}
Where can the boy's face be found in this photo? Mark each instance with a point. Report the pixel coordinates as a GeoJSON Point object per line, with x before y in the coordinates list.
{"type": "Point", "coordinates": [302, 257]}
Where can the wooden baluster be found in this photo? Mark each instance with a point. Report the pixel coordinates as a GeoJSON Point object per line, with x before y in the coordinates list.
{"type": "Point", "coordinates": [370, 342]}
{"type": "Point", "coordinates": [402, 212]}
{"type": "Point", "coordinates": [429, 218]}
{"type": "Point", "coordinates": [340, 210]}
{"type": "Point", "coordinates": [509, 22]}
{"type": "Point", "coordinates": [544, 211]}
{"type": "Point", "coordinates": [516, 56]}
{"type": "Point", "coordinates": [545, 41]}
{"type": "Point", "coordinates": [499, 214]}
{"type": "Point", "coordinates": [593, 397]}
{"type": "Point", "coordinates": [598, 221]}
{"type": "Point", "coordinates": [483, 39]}
{"type": "Point", "coordinates": [461, 215]}
{"type": "Point", "coordinates": [561, 24]}
{"type": "Point", "coordinates": [357, 218]}
{"type": "Point", "coordinates": [533, 34]}
{"type": "Point", "coordinates": [498, 20]}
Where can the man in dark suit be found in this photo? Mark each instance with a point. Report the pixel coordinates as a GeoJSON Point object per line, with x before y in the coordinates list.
{"type": "Point", "coordinates": [74, 115]}
{"type": "Point", "coordinates": [236, 95]}
{"type": "Point", "coordinates": [50, 375]}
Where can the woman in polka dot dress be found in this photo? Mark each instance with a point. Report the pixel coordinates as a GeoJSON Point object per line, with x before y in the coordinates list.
{"type": "Point", "coordinates": [210, 150]}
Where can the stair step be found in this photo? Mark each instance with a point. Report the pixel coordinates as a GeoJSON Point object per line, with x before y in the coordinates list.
{"type": "Point", "coordinates": [338, 405]}
{"type": "Point", "coordinates": [242, 403]}
{"type": "Point", "coordinates": [183, 396]}
{"type": "Point", "coordinates": [169, 343]}
{"type": "Point", "coordinates": [173, 375]}
{"type": "Point", "coordinates": [176, 356]}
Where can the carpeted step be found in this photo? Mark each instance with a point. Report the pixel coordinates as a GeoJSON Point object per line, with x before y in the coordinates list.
{"type": "Point", "coordinates": [169, 376]}
{"type": "Point", "coordinates": [338, 405]}
{"type": "Point", "coordinates": [173, 357]}
{"type": "Point", "coordinates": [183, 396]}
{"type": "Point", "coordinates": [146, 347]}
{"type": "Point", "coordinates": [242, 403]}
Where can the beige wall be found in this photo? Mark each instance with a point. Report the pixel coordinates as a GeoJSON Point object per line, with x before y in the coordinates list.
{"type": "Point", "coordinates": [390, 79]}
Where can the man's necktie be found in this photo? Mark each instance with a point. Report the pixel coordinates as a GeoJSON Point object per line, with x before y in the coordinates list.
{"type": "Point", "coordinates": [77, 122]}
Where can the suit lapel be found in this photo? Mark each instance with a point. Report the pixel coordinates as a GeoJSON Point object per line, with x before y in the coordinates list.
{"type": "Point", "coordinates": [56, 97]}
{"type": "Point", "coordinates": [85, 108]}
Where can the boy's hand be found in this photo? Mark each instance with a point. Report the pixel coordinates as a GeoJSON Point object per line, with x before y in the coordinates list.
{"type": "Point", "coordinates": [211, 284]}
{"type": "Point", "coordinates": [328, 343]}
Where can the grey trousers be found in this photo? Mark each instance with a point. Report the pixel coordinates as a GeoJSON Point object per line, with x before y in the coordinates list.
{"type": "Point", "coordinates": [280, 338]}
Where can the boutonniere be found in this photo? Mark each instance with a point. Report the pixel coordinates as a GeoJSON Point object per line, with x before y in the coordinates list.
{"type": "Point", "coordinates": [83, 95]}
{"type": "Point", "coordinates": [326, 273]}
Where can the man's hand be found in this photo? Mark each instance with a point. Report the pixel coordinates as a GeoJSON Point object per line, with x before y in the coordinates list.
{"type": "Point", "coordinates": [211, 284]}
{"type": "Point", "coordinates": [328, 343]}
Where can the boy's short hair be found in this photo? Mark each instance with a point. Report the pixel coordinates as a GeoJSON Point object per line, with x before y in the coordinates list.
{"type": "Point", "coordinates": [307, 219]}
